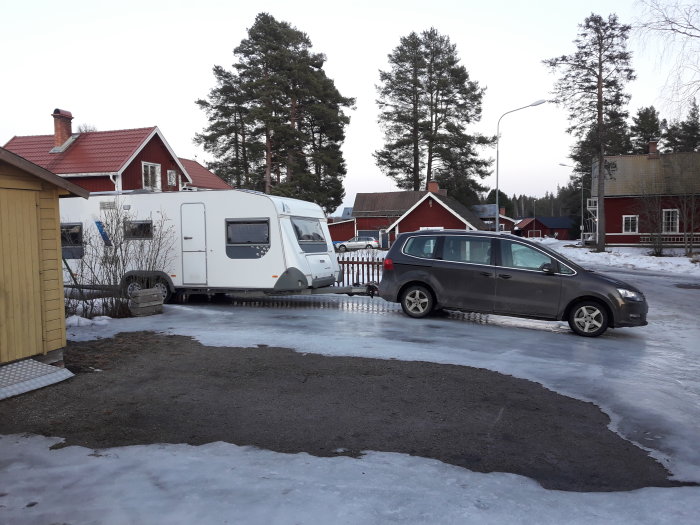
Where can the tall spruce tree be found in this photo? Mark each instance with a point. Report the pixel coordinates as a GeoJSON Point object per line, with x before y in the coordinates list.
{"type": "Point", "coordinates": [591, 85]}
{"type": "Point", "coordinates": [683, 136]}
{"type": "Point", "coordinates": [646, 126]}
{"type": "Point", "coordinates": [426, 102]}
{"type": "Point", "coordinates": [276, 121]}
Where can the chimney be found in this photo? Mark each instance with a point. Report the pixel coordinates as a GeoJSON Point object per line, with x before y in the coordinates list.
{"type": "Point", "coordinates": [433, 187]}
{"type": "Point", "coordinates": [62, 129]}
{"type": "Point", "coordinates": [653, 149]}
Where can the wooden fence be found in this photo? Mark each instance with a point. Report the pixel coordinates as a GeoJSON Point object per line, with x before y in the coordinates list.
{"type": "Point", "coordinates": [359, 270]}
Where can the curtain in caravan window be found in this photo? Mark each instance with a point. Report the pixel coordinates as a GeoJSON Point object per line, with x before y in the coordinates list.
{"type": "Point", "coordinates": [247, 239]}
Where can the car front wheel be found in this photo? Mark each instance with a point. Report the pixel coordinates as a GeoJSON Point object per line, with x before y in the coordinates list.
{"type": "Point", "coordinates": [589, 319]}
{"type": "Point", "coordinates": [417, 301]}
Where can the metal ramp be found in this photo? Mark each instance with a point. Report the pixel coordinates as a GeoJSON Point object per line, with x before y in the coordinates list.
{"type": "Point", "coordinates": [24, 376]}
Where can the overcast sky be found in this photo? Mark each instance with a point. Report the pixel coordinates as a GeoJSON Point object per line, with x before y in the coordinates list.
{"type": "Point", "coordinates": [131, 64]}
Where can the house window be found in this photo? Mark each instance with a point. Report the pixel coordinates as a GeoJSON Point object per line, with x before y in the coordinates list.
{"type": "Point", "coordinates": [72, 240]}
{"type": "Point", "coordinates": [670, 221]}
{"type": "Point", "coordinates": [630, 223]}
{"type": "Point", "coordinates": [138, 230]}
{"type": "Point", "coordinates": [150, 175]}
{"type": "Point", "coordinates": [172, 178]}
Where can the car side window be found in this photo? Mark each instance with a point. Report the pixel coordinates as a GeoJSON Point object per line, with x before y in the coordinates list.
{"type": "Point", "coordinates": [516, 255]}
{"type": "Point", "coordinates": [467, 250]}
{"type": "Point", "coordinates": [423, 246]}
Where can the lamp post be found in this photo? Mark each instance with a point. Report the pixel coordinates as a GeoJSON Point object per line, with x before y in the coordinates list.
{"type": "Point", "coordinates": [498, 128]}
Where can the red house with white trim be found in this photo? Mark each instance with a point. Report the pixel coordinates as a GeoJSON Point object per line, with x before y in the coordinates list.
{"type": "Point", "coordinates": [650, 198]}
{"type": "Point", "coordinates": [120, 160]}
{"type": "Point", "coordinates": [385, 214]}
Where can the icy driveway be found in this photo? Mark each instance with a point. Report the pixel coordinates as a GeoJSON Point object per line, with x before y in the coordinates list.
{"type": "Point", "coordinates": [647, 379]}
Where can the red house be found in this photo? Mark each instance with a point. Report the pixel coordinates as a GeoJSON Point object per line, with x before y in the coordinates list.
{"type": "Point", "coordinates": [121, 160]}
{"type": "Point", "coordinates": [650, 199]}
{"type": "Point", "coordinates": [558, 227]}
{"type": "Point", "coordinates": [386, 214]}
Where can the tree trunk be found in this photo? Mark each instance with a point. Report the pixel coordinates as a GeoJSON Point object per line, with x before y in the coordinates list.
{"type": "Point", "coordinates": [600, 241]}
{"type": "Point", "coordinates": [416, 135]}
{"type": "Point", "coordinates": [268, 161]}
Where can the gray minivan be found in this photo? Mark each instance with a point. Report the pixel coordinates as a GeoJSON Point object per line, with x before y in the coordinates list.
{"type": "Point", "coordinates": [506, 275]}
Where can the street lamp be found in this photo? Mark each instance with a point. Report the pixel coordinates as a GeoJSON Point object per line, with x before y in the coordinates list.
{"type": "Point", "coordinates": [498, 127]}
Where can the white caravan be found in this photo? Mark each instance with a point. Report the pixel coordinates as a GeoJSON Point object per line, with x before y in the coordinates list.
{"type": "Point", "coordinates": [224, 240]}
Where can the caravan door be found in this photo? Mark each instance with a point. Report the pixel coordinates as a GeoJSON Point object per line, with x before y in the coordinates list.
{"type": "Point", "coordinates": [193, 230]}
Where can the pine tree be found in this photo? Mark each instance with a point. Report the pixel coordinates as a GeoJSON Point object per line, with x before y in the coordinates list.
{"type": "Point", "coordinates": [683, 136]}
{"type": "Point", "coordinates": [646, 126]}
{"type": "Point", "coordinates": [690, 129]}
{"type": "Point", "coordinates": [276, 121]}
{"type": "Point", "coordinates": [591, 86]}
{"type": "Point", "coordinates": [427, 100]}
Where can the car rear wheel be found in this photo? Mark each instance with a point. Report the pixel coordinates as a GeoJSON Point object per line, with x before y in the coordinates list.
{"type": "Point", "coordinates": [589, 319]}
{"type": "Point", "coordinates": [369, 246]}
{"type": "Point", "coordinates": [417, 301]}
{"type": "Point", "coordinates": [342, 248]}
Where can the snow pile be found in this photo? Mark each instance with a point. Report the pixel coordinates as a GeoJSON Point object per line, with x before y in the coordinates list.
{"type": "Point", "coordinates": [76, 320]}
{"type": "Point", "coordinates": [224, 483]}
{"type": "Point", "coordinates": [623, 257]}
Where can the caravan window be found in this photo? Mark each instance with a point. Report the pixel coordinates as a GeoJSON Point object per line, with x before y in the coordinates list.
{"type": "Point", "coordinates": [72, 240]}
{"type": "Point", "coordinates": [247, 239]}
{"type": "Point", "coordinates": [138, 230]}
{"type": "Point", "coordinates": [309, 234]}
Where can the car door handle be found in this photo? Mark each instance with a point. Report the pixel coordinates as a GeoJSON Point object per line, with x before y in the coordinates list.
{"type": "Point", "coordinates": [504, 276]}
{"type": "Point", "coordinates": [188, 238]}
{"type": "Point", "coordinates": [486, 274]}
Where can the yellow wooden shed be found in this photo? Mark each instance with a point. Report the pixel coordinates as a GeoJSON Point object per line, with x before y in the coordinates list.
{"type": "Point", "coordinates": [32, 319]}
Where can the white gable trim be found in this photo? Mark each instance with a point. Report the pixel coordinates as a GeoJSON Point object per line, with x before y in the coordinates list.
{"type": "Point", "coordinates": [155, 132]}
{"type": "Point", "coordinates": [434, 197]}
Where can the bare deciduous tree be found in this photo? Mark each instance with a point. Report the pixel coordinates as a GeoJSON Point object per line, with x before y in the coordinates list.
{"type": "Point", "coordinates": [110, 253]}
{"type": "Point", "coordinates": [677, 24]}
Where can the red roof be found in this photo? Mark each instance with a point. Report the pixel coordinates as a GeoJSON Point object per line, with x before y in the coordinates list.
{"type": "Point", "coordinates": [202, 177]}
{"type": "Point", "coordinates": [91, 152]}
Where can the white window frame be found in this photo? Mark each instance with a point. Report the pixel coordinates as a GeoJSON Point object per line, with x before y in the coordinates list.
{"type": "Point", "coordinates": [172, 178]}
{"type": "Point", "coordinates": [634, 218]}
{"type": "Point", "coordinates": [673, 222]}
{"type": "Point", "coordinates": [146, 166]}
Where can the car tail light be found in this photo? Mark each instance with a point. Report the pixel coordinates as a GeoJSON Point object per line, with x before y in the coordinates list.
{"type": "Point", "coordinates": [388, 264]}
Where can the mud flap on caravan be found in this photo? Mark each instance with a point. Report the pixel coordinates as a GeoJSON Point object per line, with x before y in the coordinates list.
{"type": "Point", "coordinates": [291, 280]}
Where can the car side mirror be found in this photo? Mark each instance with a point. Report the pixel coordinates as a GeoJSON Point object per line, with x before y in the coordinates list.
{"type": "Point", "coordinates": [547, 268]}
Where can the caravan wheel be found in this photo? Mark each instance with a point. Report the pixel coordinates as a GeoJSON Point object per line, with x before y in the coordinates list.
{"type": "Point", "coordinates": [133, 285]}
{"type": "Point", "coordinates": [164, 289]}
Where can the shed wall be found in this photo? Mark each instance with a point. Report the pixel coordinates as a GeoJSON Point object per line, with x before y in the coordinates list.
{"type": "Point", "coordinates": [31, 289]}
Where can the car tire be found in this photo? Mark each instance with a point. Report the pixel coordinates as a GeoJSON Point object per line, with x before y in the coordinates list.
{"type": "Point", "coordinates": [417, 301]}
{"type": "Point", "coordinates": [369, 247]}
{"type": "Point", "coordinates": [342, 248]}
{"type": "Point", "coordinates": [589, 318]}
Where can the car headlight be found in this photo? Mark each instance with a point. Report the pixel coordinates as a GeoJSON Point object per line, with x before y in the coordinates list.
{"type": "Point", "coordinates": [630, 295]}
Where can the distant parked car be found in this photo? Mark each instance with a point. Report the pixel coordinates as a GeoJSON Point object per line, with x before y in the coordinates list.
{"type": "Point", "coordinates": [357, 243]}
{"type": "Point", "coordinates": [506, 275]}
